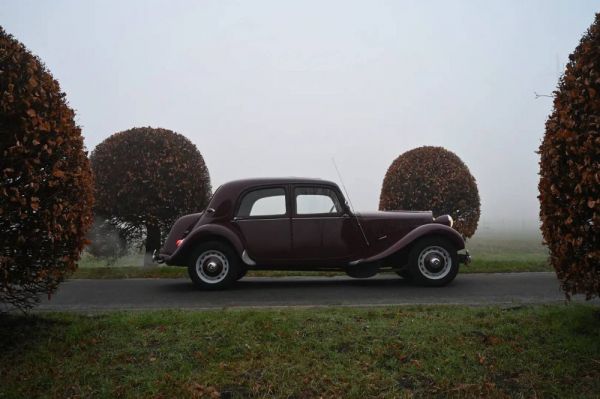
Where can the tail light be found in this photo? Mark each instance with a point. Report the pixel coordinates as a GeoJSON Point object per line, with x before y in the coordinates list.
{"type": "Point", "coordinates": [178, 242]}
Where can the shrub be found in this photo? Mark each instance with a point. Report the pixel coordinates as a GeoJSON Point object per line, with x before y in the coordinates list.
{"type": "Point", "coordinates": [432, 178]}
{"type": "Point", "coordinates": [570, 171]}
{"type": "Point", "coordinates": [106, 241]}
{"type": "Point", "coordinates": [145, 179]}
{"type": "Point", "coordinates": [45, 179]}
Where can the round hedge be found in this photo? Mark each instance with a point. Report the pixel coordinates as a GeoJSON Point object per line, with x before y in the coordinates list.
{"type": "Point", "coordinates": [46, 184]}
{"type": "Point", "coordinates": [570, 171]}
{"type": "Point", "coordinates": [432, 178]}
{"type": "Point", "coordinates": [145, 179]}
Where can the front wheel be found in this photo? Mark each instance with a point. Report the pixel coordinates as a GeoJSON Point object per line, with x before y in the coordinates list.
{"type": "Point", "coordinates": [433, 261]}
{"type": "Point", "coordinates": [213, 265]}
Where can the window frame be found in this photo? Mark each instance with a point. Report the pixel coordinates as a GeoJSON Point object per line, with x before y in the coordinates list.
{"type": "Point", "coordinates": [243, 194]}
{"type": "Point", "coordinates": [293, 199]}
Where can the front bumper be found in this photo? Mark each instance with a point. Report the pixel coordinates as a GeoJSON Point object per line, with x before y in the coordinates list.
{"type": "Point", "coordinates": [464, 258]}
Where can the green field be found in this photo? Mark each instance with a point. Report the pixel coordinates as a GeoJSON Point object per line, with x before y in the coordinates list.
{"type": "Point", "coordinates": [491, 254]}
{"type": "Point", "coordinates": [434, 351]}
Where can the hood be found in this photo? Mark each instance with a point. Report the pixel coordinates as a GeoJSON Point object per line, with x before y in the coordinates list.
{"type": "Point", "coordinates": [392, 223]}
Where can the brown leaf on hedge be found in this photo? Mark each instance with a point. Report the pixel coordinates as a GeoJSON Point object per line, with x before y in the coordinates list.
{"type": "Point", "coordinates": [35, 203]}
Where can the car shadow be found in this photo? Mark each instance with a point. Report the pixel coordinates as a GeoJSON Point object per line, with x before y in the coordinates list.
{"type": "Point", "coordinates": [276, 283]}
{"type": "Point", "coordinates": [282, 282]}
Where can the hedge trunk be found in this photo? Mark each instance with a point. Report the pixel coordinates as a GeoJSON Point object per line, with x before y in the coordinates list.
{"type": "Point", "coordinates": [152, 242]}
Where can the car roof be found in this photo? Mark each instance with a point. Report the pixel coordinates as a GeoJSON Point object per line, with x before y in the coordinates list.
{"type": "Point", "coordinates": [259, 181]}
{"type": "Point", "coordinates": [227, 193]}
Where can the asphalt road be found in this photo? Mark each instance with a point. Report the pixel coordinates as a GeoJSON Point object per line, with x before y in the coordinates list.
{"type": "Point", "coordinates": [468, 289]}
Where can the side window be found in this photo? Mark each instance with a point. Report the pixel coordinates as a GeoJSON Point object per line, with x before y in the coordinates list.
{"type": "Point", "coordinates": [316, 200]}
{"type": "Point", "coordinates": [263, 202]}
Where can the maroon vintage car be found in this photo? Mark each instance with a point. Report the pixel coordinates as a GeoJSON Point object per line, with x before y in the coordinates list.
{"type": "Point", "coordinates": [305, 224]}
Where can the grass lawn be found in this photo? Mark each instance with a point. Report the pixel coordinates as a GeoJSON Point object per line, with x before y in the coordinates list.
{"type": "Point", "coordinates": [490, 255]}
{"type": "Point", "coordinates": [541, 351]}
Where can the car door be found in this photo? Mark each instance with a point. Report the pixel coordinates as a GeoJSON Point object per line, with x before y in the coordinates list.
{"type": "Point", "coordinates": [263, 218]}
{"type": "Point", "coordinates": [322, 230]}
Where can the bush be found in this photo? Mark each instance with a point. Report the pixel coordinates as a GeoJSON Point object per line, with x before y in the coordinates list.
{"type": "Point", "coordinates": [106, 241]}
{"type": "Point", "coordinates": [145, 179]}
{"type": "Point", "coordinates": [45, 179]}
{"type": "Point", "coordinates": [570, 171]}
{"type": "Point", "coordinates": [432, 178]}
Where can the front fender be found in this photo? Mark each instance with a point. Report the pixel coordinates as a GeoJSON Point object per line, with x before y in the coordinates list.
{"type": "Point", "coordinates": [208, 231]}
{"type": "Point", "coordinates": [421, 231]}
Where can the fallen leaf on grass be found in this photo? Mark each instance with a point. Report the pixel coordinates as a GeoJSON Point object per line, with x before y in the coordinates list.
{"type": "Point", "coordinates": [202, 391]}
{"type": "Point", "coordinates": [481, 358]}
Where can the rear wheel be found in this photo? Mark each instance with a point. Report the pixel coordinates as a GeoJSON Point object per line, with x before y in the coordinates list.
{"type": "Point", "coordinates": [214, 265]}
{"type": "Point", "coordinates": [433, 261]}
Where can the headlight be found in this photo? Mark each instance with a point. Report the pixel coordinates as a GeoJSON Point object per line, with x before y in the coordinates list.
{"type": "Point", "coordinates": [451, 220]}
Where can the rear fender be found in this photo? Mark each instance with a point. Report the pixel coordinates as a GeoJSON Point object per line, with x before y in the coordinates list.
{"type": "Point", "coordinates": [425, 230]}
{"type": "Point", "coordinates": [204, 233]}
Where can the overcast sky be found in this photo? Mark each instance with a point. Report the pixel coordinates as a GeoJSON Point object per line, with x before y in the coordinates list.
{"type": "Point", "coordinates": [278, 88]}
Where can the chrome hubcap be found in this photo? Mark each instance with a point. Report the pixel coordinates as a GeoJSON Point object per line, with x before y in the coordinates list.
{"type": "Point", "coordinates": [212, 266]}
{"type": "Point", "coordinates": [435, 262]}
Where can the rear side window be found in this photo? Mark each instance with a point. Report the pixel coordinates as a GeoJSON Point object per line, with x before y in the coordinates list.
{"type": "Point", "coordinates": [316, 200]}
{"type": "Point", "coordinates": [263, 202]}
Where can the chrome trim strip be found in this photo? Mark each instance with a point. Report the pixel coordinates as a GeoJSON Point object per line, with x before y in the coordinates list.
{"type": "Point", "coordinates": [318, 217]}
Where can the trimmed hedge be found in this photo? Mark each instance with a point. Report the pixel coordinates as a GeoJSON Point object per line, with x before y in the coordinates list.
{"type": "Point", "coordinates": [145, 179]}
{"type": "Point", "coordinates": [45, 179]}
{"type": "Point", "coordinates": [433, 178]}
{"type": "Point", "coordinates": [570, 171]}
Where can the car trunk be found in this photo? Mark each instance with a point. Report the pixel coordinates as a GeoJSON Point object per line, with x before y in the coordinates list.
{"type": "Point", "coordinates": [180, 229]}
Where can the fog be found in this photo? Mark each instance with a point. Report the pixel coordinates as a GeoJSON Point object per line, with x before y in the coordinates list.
{"type": "Point", "coordinates": [272, 88]}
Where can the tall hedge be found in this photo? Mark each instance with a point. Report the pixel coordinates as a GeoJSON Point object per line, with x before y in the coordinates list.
{"type": "Point", "coordinates": [45, 179]}
{"type": "Point", "coordinates": [432, 178]}
{"type": "Point", "coordinates": [145, 179]}
{"type": "Point", "coordinates": [570, 171]}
